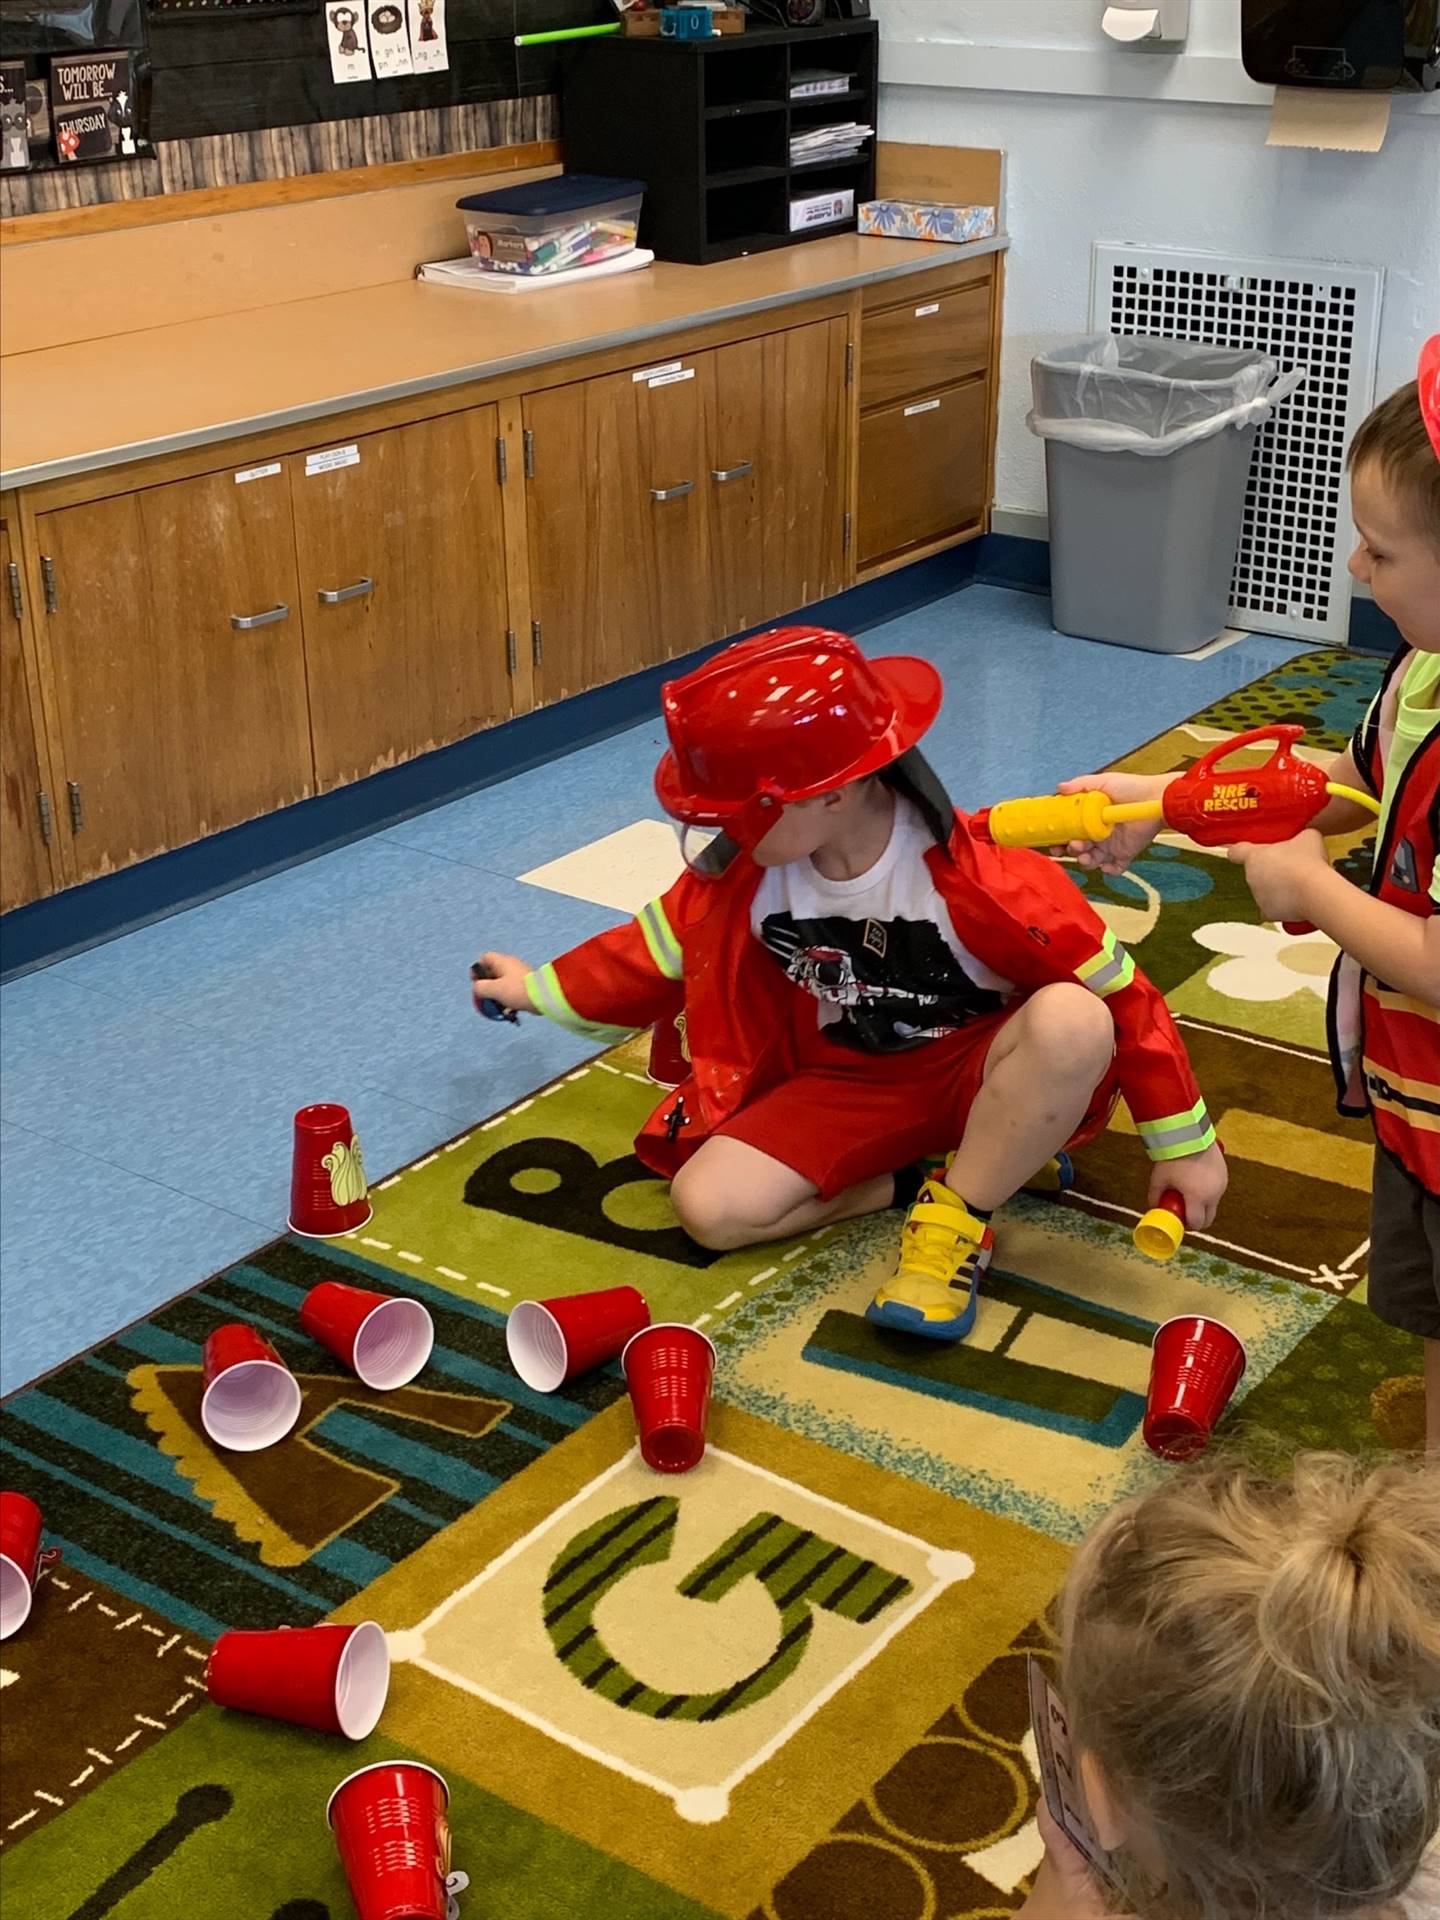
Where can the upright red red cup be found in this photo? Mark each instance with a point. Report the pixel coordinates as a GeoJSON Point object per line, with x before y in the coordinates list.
{"type": "Point", "coordinates": [669, 1370]}
{"type": "Point", "coordinates": [391, 1830]}
{"type": "Point", "coordinates": [327, 1174]}
{"type": "Point", "coordinates": [20, 1528]}
{"type": "Point", "coordinates": [251, 1398]}
{"type": "Point", "coordinates": [1196, 1365]}
{"type": "Point", "coordinates": [551, 1341]}
{"type": "Point", "coordinates": [669, 1056]}
{"type": "Point", "coordinates": [384, 1339]}
{"type": "Point", "coordinates": [331, 1678]}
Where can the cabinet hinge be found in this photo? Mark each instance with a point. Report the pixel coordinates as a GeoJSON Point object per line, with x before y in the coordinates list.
{"type": "Point", "coordinates": [512, 651]}
{"type": "Point", "coordinates": [849, 529]}
{"type": "Point", "coordinates": [502, 460]}
{"type": "Point", "coordinates": [77, 805]}
{"type": "Point", "coordinates": [42, 807]}
{"type": "Point", "coordinates": [849, 363]}
{"type": "Point", "coordinates": [47, 580]}
{"type": "Point", "coordinates": [17, 593]}
{"type": "Point", "coordinates": [529, 444]}
{"type": "Point", "coordinates": [537, 644]}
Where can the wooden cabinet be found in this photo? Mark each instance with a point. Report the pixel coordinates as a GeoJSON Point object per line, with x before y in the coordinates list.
{"type": "Point", "coordinates": [400, 549]}
{"type": "Point", "coordinates": [776, 473]}
{"type": "Point", "coordinates": [922, 469]}
{"type": "Point", "coordinates": [26, 807]}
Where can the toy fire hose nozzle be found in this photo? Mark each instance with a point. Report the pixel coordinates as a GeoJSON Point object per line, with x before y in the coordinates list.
{"type": "Point", "coordinates": [492, 1009]}
{"type": "Point", "coordinates": [1160, 1232]}
{"type": "Point", "coordinates": [1214, 808]}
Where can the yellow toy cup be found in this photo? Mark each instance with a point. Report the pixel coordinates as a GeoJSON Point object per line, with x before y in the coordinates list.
{"type": "Point", "coordinates": [1161, 1231]}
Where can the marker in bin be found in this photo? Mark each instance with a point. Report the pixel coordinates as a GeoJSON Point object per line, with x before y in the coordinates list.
{"type": "Point", "coordinates": [492, 1009]}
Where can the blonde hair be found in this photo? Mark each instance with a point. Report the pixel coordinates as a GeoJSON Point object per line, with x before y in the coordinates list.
{"type": "Point", "coordinates": [1255, 1664]}
{"type": "Point", "coordinates": [1394, 440]}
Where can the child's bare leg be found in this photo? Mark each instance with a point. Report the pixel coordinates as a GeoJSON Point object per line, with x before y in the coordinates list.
{"type": "Point", "coordinates": [1040, 1077]}
{"type": "Point", "coordinates": [1432, 1396]}
{"type": "Point", "coordinates": [732, 1195]}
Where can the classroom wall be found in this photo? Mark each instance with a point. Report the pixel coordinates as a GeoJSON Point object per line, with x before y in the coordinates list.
{"type": "Point", "coordinates": [1192, 173]}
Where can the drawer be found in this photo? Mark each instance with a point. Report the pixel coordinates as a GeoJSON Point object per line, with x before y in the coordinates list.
{"type": "Point", "coordinates": [909, 289]}
{"type": "Point", "coordinates": [929, 343]}
{"type": "Point", "coordinates": [923, 467]}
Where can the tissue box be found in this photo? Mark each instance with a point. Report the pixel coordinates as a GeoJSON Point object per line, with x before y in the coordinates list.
{"type": "Point", "coordinates": [926, 220]}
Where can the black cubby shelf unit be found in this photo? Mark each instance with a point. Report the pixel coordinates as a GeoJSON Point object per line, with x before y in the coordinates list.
{"type": "Point", "coordinates": [707, 125]}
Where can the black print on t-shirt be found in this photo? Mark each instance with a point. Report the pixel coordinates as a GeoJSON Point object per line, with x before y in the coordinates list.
{"type": "Point", "coordinates": [896, 982]}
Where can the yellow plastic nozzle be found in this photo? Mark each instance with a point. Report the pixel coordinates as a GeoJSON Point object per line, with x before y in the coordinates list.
{"type": "Point", "coordinates": [1366, 800]}
{"type": "Point", "coordinates": [1159, 1234]}
{"type": "Point", "coordinates": [1051, 820]}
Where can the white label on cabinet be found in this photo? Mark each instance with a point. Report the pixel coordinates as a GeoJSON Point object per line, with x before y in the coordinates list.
{"type": "Point", "coordinates": [923, 406]}
{"type": "Point", "coordinates": [657, 373]}
{"type": "Point", "coordinates": [672, 379]}
{"type": "Point", "coordinates": [923, 313]}
{"type": "Point", "coordinates": [331, 458]}
{"type": "Point", "coordinates": [257, 473]}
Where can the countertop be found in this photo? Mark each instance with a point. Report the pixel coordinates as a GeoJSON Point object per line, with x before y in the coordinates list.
{"type": "Point", "coordinates": [99, 403]}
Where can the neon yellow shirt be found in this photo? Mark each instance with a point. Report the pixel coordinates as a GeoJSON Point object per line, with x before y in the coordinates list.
{"type": "Point", "coordinates": [1416, 712]}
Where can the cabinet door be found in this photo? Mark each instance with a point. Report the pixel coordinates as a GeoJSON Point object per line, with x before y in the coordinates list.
{"type": "Point", "coordinates": [113, 729]}
{"type": "Point", "coordinates": [230, 665]}
{"type": "Point", "coordinates": [401, 549]}
{"type": "Point", "coordinates": [617, 525]}
{"type": "Point", "coordinates": [776, 438]}
{"type": "Point", "coordinates": [922, 470]}
{"type": "Point", "coordinates": [25, 815]}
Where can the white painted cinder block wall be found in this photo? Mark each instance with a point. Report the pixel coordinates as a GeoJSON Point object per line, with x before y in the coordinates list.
{"type": "Point", "coordinates": [1154, 172]}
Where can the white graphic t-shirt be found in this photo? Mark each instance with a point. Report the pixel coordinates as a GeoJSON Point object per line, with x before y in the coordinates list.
{"type": "Point", "coordinates": [879, 953]}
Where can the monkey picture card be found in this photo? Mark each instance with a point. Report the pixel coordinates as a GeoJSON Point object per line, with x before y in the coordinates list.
{"type": "Point", "coordinates": [346, 31]}
{"type": "Point", "coordinates": [14, 132]}
{"type": "Point", "coordinates": [389, 39]}
{"type": "Point", "coordinates": [428, 48]}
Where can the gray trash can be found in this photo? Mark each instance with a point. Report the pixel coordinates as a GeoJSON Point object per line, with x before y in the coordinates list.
{"type": "Point", "coordinates": [1147, 452]}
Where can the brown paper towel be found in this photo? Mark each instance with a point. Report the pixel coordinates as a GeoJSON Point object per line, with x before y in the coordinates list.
{"type": "Point", "coordinates": [1348, 122]}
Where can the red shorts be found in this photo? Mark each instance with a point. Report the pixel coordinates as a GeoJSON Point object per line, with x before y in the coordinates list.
{"type": "Point", "coordinates": [846, 1116]}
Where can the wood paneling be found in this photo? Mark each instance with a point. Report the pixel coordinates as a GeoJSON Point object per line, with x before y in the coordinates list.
{"type": "Point", "coordinates": [26, 805]}
{"type": "Point", "coordinates": [923, 469]}
{"type": "Point", "coordinates": [958, 176]}
{"type": "Point", "coordinates": [931, 341]}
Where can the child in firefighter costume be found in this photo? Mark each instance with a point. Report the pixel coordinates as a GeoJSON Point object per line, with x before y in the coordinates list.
{"type": "Point", "coordinates": [865, 987]}
{"type": "Point", "coordinates": [1385, 991]}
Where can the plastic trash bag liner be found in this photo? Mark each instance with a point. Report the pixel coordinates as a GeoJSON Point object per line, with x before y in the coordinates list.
{"type": "Point", "coordinates": [1147, 396]}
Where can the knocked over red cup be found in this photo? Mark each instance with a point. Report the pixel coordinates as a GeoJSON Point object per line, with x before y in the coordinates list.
{"type": "Point", "coordinates": [669, 1060]}
{"type": "Point", "coordinates": [20, 1559]}
{"type": "Point", "coordinates": [1196, 1365]}
{"type": "Point", "coordinates": [384, 1339]}
{"type": "Point", "coordinates": [551, 1341]}
{"type": "Point", "coordinates": [669, 1370]}
{"type": "Point", "coordinates": [251, 1397]}
{"type": "Point", "coordinates": [394, 1840]}
{"type": "Point", "coordinates": [327, 1174]}
{"type": "Point", "coordinates": [331, 1678]}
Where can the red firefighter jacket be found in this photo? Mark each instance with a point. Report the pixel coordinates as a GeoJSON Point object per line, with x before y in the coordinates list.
{"type": "Point", "coordinates": [1385, 1046]}
{"type": "Point", "coordinates": [693, 951]}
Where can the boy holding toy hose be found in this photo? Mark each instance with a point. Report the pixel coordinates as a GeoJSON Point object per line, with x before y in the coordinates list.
{"type": "Point", "coordinates": [1385, 994]}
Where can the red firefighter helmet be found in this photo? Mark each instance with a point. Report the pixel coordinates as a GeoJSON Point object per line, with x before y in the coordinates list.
{"type": "Point", "coordinates": [1428, 380]}
{"type": "Point", "coordinates": [786, 716]}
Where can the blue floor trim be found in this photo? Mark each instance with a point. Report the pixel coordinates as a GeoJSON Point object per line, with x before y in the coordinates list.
{"type": "Point", "coordinates": [81, 917]}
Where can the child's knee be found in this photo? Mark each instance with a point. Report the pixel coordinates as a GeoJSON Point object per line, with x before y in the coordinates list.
{"type": "Point", "coordinates": [1072, 1029]}
{"type": "Point", "coordinates": [702, 1210]}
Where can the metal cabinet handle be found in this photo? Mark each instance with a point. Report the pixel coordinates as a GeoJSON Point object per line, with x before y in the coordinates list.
{"type": "Point", "coordinates": [673, 493]}
{"type": "Point", "coordinates": [721, 474]}
{"type": "Point", "coordinates": [244, 622]}
{"type": "Point", "coordinates": [333, 598]}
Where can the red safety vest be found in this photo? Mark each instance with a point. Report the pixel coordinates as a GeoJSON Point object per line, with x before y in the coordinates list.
{"type": "Point", "coordinates": [1385, 1045]}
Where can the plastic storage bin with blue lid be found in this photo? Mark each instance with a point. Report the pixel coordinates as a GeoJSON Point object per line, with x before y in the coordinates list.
{"type": "Point", "coordinates": [547, 226]}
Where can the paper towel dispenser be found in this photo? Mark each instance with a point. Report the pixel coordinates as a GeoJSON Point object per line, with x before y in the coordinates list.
{"type": "Point", "coordinates": [1374, 45]}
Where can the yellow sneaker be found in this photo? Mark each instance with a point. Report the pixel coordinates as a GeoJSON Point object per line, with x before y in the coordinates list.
{"type": "Point", "coordinates": [944, 1250]}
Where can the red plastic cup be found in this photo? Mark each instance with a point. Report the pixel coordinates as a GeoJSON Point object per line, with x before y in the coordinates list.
{"type": "Point", "coordinates": [551, 1341]}
{"type": "Point", "coordinates": [331, 1678]}
{"type": "Point", "coordinates": [1196, 1365]}
{"type": "Point", "coordinates": [327, 1174]}
{"type": "Point", "coordinates": [669, 1370]}
{"type": "Point", "coordinates": [390, 1825]}
{"type": "Point", "coordinates": [384, 1339]}
{"type": "Point", "coordinates": [669, 1059]}
{"type": "Point", "coordinates": [251, 1398]}
{"type": "Point", "coordinates": [21, 1526]}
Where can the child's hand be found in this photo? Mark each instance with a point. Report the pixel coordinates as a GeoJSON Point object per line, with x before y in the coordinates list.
{"type": "Point", "coordinates": [504, 982]}
{"type": "Point", "coordinates": [1128, 842]}
{"type": "Point", "coordinates": [1200, 1179]}
{"type": "Point", "coordinates": [1283, 877]}
{"type": "Point", "coordinates": [1064, 1888]}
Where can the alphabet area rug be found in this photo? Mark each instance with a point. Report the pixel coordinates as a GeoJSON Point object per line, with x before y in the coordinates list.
{"type": "Point", "coordinates": [786, 1686]}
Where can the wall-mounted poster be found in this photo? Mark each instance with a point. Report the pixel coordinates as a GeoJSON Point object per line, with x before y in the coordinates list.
{"type": "Point", "coordinates": [92, 105]}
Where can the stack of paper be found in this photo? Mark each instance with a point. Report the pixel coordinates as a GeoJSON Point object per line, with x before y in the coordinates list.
{"type": "Point", "coordinates": [818, 145]}
{"type": "Point", "coordinates": [817, 82]}
{"type": "Point", "coordinates": [470, 273]}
